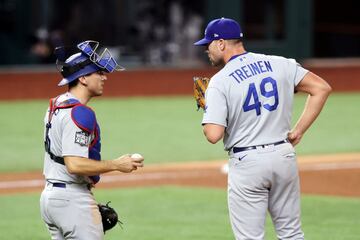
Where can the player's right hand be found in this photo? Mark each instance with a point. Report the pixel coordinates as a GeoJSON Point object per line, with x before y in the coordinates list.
{"type": "Point", "coordinates": [127, 164]}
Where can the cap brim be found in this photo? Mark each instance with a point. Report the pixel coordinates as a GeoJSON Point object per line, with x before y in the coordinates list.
{"type": "Point", "coordinates": [63, 82]}
{"type": "Point", "coordinates": [203, 42]}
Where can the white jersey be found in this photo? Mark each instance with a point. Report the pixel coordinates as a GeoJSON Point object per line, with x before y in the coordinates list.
{"type": "Point", "coordinates": [252, 97]}
{"type": "Point", "coordinates": [66, 139]}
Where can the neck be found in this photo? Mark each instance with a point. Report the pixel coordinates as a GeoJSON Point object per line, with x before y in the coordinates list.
{"type": "Point", "coordinates": [80, 94]}
{"type": "Point", "coordinates": [233, 51]}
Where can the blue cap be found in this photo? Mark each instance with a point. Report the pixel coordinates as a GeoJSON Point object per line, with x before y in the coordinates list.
{"type": "Point", "coordinates": [221, 28]}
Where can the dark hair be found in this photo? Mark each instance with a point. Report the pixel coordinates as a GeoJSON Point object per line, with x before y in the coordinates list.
{"type": "Point", "coordinates": [73, 83]}
{"type": "Point", "coordinates": [235, 41]}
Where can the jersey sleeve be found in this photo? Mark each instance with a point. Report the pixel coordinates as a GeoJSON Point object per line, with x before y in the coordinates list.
{"type": "Point", "coordinates": [295, 71]}
{"type": "Point", "coordinates": [216, 107]}
{"type": "Point", "coordinates": [75, 141]}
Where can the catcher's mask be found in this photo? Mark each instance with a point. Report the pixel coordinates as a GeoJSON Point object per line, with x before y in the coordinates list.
{"type": "Point", "coordinates": [85, 58]}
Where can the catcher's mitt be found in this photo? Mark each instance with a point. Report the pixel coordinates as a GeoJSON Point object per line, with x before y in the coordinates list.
{"type": "Point", "coordinates": [109, 216]}
{"type": "Point", "coordinates": [200, 86]}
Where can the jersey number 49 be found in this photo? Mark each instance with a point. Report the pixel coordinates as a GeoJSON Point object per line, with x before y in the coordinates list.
{"type": "Point", "coordinates": [252, 98]}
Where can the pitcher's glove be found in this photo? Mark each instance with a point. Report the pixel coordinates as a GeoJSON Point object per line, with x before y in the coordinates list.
{"type": "Point", "coordinates": [109, 216]}
{"type": "Point", "coordinates": [200, 86]}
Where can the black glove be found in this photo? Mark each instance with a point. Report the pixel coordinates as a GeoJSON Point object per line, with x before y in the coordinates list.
{"type": "Point", "coordinates": [109, 216]}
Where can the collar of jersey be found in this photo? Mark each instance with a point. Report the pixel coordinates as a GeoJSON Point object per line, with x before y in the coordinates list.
{"type": "Point", "coordinates": [237, 55]}
{"type": "Point", "coordinates": [70, 95]}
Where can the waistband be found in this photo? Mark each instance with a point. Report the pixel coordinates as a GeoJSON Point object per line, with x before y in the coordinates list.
{"type": "Point", "coordinates": [73, 186]}
{"type": "Point", "coordinates": [241, 149]}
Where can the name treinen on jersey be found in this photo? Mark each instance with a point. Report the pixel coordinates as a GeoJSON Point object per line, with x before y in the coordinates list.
{"type": "Point", "coordinates": [250, 70]}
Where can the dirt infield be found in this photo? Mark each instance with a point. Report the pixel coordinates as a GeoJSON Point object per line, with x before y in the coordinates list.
{"type": "Point", "coordinates": [337, 174]}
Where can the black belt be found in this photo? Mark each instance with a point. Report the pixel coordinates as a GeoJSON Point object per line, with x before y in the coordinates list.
{"type": "Point", "coordinates": [63, 185]}
{"type": "Point", "coordinates": [60, 185]}
{"type": "Point", "coordinates": [241, 149]}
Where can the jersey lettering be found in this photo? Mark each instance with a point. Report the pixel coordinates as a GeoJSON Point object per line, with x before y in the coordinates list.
{"type": "Point", "coordinates": [251, 70]}
{"type": "Point", "coordinates": [252, 98]}
{"type": "Point", "coordinates": [270, 93]}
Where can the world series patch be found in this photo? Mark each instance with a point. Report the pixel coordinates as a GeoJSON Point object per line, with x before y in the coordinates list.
{"type": "Point", "coordinates": [82, 138]}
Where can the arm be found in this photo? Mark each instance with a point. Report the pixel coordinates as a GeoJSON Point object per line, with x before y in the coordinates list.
{"type": "Point", "coordinates": [318, 90]}
{"type": "Point", "coordinates": [213, 132]}
{"type": "Point", "coordinates": [87, 167]}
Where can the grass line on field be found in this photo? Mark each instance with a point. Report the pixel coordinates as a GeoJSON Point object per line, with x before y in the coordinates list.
{"type": "Point", "coordinates": [164, 129]}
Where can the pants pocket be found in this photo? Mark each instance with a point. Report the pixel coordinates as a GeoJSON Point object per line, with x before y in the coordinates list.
{"type": "Point", "coordinates": [290, 155]}
{"type": "Point", "coordinates": [288, 152]}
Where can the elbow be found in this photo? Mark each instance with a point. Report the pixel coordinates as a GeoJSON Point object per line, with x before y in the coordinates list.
{"type": "Point", "coordinates": [325, 91]}
{"type": "Point", "coordinates": [322, 91]}
{"type": "Point", "coordinates": [212, 138]}
{"type": "Point", "coordinates": [213, 132]}
{"type": "Point", "coordinates": [71, 166]}
{"type": "Point", "coordinates": [72, 169]}
{"type": "Point", "coordinates": [328, 89]}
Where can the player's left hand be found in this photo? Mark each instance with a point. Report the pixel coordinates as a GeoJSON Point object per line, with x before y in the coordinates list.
{"type": "Point", "coordinates": [109, 216]}
{"type": "Point", "coordinates": [294, 136]}
{"type": "Point", "coordinates": [199, 87]}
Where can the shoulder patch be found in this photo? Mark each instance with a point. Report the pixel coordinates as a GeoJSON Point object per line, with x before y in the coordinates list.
{"type": "Point", "coordinates": [82, 138]}
{"type": "Point", "coordinates": [84, 118]}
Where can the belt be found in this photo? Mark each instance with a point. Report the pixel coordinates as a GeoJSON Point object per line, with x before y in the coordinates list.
{"type": "Point", "coordinates": [71, 185]}
{"type": "Point", "coordinates": [241, 149]}
{"type": "Point", "coordinates": [60, 185]}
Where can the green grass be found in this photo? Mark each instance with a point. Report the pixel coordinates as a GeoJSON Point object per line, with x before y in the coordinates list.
{"type": "Point", "coordinates": [163, 129]}
{"type": "Point", "coordinates": [21, 140]}
{"type": "Point", "coordinates": [336, 130]}
{"type": "Point", "coordinates": [181, 213]}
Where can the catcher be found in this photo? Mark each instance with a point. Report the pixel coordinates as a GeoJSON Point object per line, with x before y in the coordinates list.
{"type": "Point", "coordinates": [72, 164]}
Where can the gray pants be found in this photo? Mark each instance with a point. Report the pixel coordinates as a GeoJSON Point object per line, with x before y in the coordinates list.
{"type": "Point", "coordinates": [264, 179]}
{"type": "Point", "coordinates": [71, 213]}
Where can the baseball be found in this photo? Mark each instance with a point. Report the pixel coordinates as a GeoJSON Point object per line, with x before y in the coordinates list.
{"type": "Point", "coordinates": [225, 168]}
{"type": "Point", "coordinates": [136, 155]}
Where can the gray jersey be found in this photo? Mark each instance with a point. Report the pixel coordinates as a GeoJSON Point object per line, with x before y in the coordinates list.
{"type": "Point", "coordinates": [66, 140]}
{"type": "Point", "coordinates": [252, 97]}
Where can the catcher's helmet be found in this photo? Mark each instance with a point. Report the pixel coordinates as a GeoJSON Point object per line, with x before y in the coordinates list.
{"type": "Point", "coordinates": [83, 62]}
{"type": "Point", "coordinates": [77, 65]}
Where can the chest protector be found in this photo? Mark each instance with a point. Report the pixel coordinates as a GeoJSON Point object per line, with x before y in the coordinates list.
{"type": "Point", "coordinates": [84, 117]}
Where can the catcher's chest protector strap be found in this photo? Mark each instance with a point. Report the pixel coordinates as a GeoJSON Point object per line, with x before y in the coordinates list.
{"type": "Point", "coordinates": [52, 108]}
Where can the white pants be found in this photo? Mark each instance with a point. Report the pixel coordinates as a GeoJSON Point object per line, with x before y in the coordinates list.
{"type": "Point", "coordinates": [71, 213]}
{"type": "Point", "coordinates": [264, 179]}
